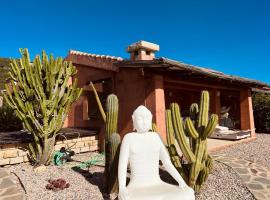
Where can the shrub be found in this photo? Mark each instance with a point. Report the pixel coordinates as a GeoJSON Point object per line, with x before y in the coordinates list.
{"type": "Point", "coordinates": [261, 110]}
{"type": "Point", "coordinates": [9, 120]}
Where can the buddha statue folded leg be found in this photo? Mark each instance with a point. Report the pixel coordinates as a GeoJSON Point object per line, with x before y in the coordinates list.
{"type": "Point", "coordinates": [162, 191]}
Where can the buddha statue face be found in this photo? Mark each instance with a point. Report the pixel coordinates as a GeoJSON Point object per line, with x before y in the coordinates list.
{"type": "Point", "coordinates": [142, 119]}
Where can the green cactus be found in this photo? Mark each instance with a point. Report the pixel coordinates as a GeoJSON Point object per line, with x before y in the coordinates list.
{"type": "Point", "coordinates": [112, 140]}
{"type": "Point", "coordinates": [197, 128]}
{"type": "Point", "coordinates": [114, 145]}
{"type": "Point", "coordinates": [41, 96]}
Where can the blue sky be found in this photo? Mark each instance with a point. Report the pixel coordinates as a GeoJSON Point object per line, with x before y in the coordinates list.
{"type": "Point", "coordinates": [228, 35]}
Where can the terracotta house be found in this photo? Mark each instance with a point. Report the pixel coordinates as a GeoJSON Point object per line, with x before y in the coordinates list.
{"type": "Point", "coordinates": [155, 82]}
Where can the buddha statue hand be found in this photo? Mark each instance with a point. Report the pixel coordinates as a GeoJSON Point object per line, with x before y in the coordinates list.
{"type": "Point", "coordinates": [123, 194]}
{"type": "Point", "coordinates": [182, 185]}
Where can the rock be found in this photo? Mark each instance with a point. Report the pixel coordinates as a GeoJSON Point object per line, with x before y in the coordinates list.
{"type": "Point", "coordinates": [41, 168]}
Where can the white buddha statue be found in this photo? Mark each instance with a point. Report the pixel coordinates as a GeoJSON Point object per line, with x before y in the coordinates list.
{"type": "Point", "coordinates": [143, 150]}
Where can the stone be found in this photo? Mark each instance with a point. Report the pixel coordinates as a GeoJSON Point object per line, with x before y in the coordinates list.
{"type": "Point", "coordinates": [246, 178]}
{"type": "Point", "coordinates": [241, 170]}
{"type": "Point", "coordinates": [4, 161]}
{"type": "Point", "coordinates": [85, 138]}
{"type": "Point", "coordinates": [80, 144]}
{"type": "Point", "coordinates": [253, 186]}
{"type": "Point", "coordinates": [84, 149]}
{"type": "Point", "coordinates": [92, 137]}
{"type": "Point", "coordinates": [22, 152]}
{"type": "Point", "coordinates": [11, 193]}
{"type": "Point", "coordinates": [10, 154]}
{"type": "Point", "coordinates": [95, 142]}
{"type": "Point", "coordinates": [25, 159]}
{"type": "Point", "coordinates": [40, 168]}
{"type": "Point", "coordinates": [262, 180]}
{"type": "Point", "coordinates": [88, 143]}
{"type": "Point", "coordinates": [263, 174]}
{"type": "Point", "coordinates": [18, 196]}
{"type": "Point", "coordinates": [258, 195]}
{"type": "Point", "coordinates": [3, 173]}
{"type": "Point", "coordinates": [1, 154]}
{"type": "Point", "coordinates": [59, 142]}
{"type": "Point", "coordinates": [254, 171]}
{"type": "Point", "coordinates": [58, 147]}
{"type": "Point", "coordinates": [93, 148]}
{"type": "Point", "coordinates": [16, 160]}
{"type": "Point", "coordinates": [76, 150]}
{"type": "Point", "coordinates": [76, 140]}
{"type": "Point", "coordinates": [6, 183]}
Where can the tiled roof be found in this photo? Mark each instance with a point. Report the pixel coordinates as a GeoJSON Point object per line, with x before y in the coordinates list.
{"type": "Point", "coordinates": [95, 56]}
{"type": "Point", "coordinates": [172, 65]}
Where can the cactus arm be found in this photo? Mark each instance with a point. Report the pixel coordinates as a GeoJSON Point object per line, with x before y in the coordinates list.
{"type": "Point", "coordinates": [111, 115]}
{"type": "Point", "coordinates": [114, 145]}
{"type": "Point", "coordinates": [103, 114]}
{"type": "Point", "coordinates": [196, 166]}
{"type": "Point", "coordinates": [179, 133]}
{"type": "Point", "coordinates": [169, 127]}
{"type": "Point", "coordinates": [191, 129]}
{"type": "Point", "coordinates": [203, 113]}
{"type": "Point", "coordinates": [210, 126]}
{"type": "Point", "coordinates": [154, 127]}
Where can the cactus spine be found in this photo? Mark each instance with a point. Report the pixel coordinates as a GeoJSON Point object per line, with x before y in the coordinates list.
{"type": "Point", "coordinates": [41, 96]}
{"type": "Point", "coordinates": [198, 127]}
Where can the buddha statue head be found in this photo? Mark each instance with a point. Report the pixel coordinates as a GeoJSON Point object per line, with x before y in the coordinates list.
{"type": "Point", "coordinates": [142, 119]}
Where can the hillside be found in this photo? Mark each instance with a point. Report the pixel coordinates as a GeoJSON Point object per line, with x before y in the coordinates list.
{"type": "Point", "coordinates": [4, 64]}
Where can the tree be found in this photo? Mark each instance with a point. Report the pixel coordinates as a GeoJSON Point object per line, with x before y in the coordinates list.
{"type": "Point", "coordinates": [41, 96]}
{"type": "Point", "coordinates": [261, 110]}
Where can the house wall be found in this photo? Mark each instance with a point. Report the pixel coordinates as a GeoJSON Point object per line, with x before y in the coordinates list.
{"type": "Point", "coordinates": [77, 116]}
{"type": "Point", "coordinates": [134, 87]}
{"type": "Point", "coordinates": [130, 88]}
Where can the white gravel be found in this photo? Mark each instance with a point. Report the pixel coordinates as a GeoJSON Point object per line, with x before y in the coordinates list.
{"type": "Point", "coordinates": [256, 151]}
{"type": "Point", "coordinates": [222, 184]}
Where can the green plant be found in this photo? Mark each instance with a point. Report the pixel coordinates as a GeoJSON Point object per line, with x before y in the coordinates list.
{"type": "Point", "coordinates": [41, 96]}
{"type": "Point", "coordinates": [197, 128]}
{"type": "Point", "coordinates": [112, 140]}
{"type": "Point", "coordinates": [261, 110]}
{"type": "Point", "coordinates": [9, 120]}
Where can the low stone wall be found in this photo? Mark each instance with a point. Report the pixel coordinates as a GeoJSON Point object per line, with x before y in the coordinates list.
{"type": "Point", "coordinates": [17, 153]}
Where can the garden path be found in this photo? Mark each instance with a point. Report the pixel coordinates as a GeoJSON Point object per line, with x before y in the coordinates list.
{"type": "Point", "coordinates": [8, 188]}
{"type": "Point", "coordinates": [255, 176]}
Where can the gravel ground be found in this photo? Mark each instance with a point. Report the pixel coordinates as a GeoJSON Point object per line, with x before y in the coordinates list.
{"type": "Point", "coordinates": [223, 183]}
{"type": "Point", "coordinates": [83, 185]}
{"type": "Point", "coordinates": [256, 151]}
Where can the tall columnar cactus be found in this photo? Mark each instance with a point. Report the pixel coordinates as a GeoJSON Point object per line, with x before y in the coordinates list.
{"type": "Point", "coordinates": [41, 96]}
{"type": "Point", "coordinates": [197, 127]}
{"type": "Point", "coordinates": [112, 140]}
